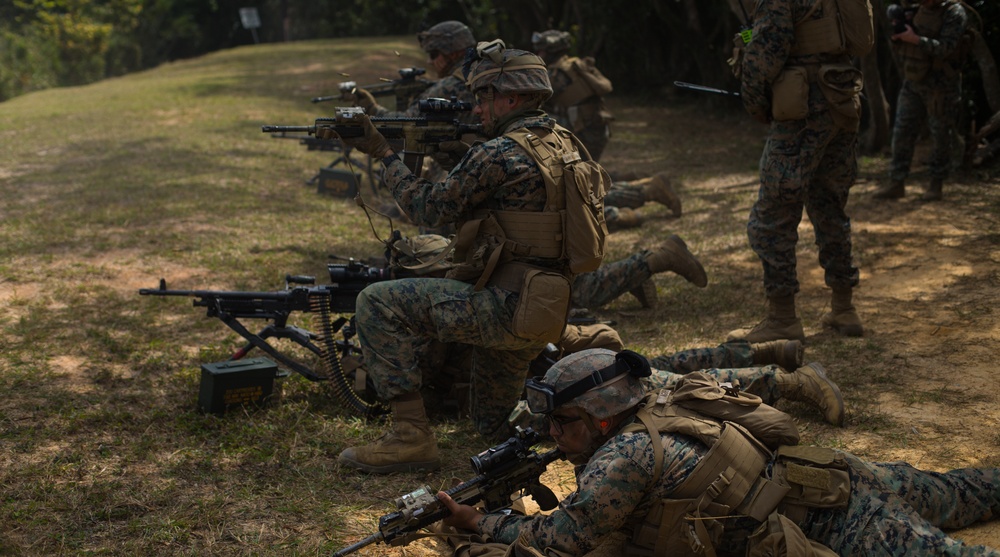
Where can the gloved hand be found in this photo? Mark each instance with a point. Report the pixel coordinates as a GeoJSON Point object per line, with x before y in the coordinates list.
{"type": "Point", "coordinates": [365, 100]}
{"type": "Point", "coordinates": [449, 153]}
{"type": "Point", "coordinates": [372, 142]}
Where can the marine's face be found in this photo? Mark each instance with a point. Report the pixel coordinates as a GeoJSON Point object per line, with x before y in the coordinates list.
{"type": "Point", "coordinates": [439, 61]}
{"type": "Point", "coordinates": [570, 432]}
{"type": "Point", "coordinates": [491, 107]}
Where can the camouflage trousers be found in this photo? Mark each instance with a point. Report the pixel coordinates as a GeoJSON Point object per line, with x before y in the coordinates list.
{"type": "Point", "coordinates": [730, 362]}
{"type": "Point", "coordinates": [622, 194]}
{"type": "Point", "coordinates": [806, 163]}
{"type": "Point", "coordinates": [610, 280]}
{"type": "Point", "coordinates": [898, 510]}
{"type": "Point", "coordinates": [668, 370]}
{"type": "Point", "coordinates": [401, 325]}
{"type": "Point", "coordinates": [940, 103]}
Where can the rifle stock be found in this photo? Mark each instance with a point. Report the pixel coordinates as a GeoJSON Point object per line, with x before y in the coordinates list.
{"type": "Point", "coordinates": [502, 471]}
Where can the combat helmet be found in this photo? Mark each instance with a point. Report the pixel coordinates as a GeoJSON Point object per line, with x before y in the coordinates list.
{"type": "Point", "coordinates": [447, 36]}
{"type": "Point", "coordinates": [600, 382]}
{"type": "Point", "coordinates": [552, 41]}
{"type": "Point", "coordinates": [508, 71]}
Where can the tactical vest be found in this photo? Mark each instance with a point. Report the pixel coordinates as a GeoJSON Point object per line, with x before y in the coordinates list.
{"type": "Point", "coordinates": [846, 26]}
{"type": "Point", "coordinates": [752, 469]}
{"type": "Point", "coordinates": [916, 61]}
{"type": "Point", "coordinates": [844, 29]}
{"type": "Point", "coordinates": [586, 81]}
{"type": "Point", "coordinates": [493, 248]}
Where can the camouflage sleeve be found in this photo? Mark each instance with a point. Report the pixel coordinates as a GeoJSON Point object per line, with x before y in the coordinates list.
{"type": "Point", "coordinates": [488, 170]}
{"type": "Point", "coordinates": [955, 20]}
{"type": "Point", "coordinates": [615, 489]}
{"type": "Point", "coordinates": [765, 56]}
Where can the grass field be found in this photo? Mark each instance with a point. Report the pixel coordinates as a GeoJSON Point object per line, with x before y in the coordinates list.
{"type": "Point", "coordinates": [109, 187]}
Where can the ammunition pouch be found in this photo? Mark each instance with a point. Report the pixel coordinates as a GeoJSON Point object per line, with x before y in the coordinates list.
{"type": "Point", "coordinates": [816, 477]}
{"type": "Point", "coordinates": [790, 94]}
{"type": "Point", "coordinates": [841, 85]}
{"type": "Point", "coordinates": [779, 536]}
{"type": "Point", "coordinates": [543, 303]}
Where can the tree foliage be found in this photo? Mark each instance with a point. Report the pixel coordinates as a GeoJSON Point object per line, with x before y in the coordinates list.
{"type": "Point", "coordinates": [642, 45]}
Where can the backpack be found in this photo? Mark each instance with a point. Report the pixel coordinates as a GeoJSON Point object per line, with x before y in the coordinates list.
{"type": "Point", "coordinates": [562, 157]}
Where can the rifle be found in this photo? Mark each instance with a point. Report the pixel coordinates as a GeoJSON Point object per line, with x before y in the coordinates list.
{"type": "Point", "coordinates": [405, 89]}
{"type": "Point", "coordinates": [324, 300]}
{"type": "Point", "coordinates": [704, 89]}
{"type": "Point", "coordinates": [501, 471]}
{"type": "Point", "coordinates": [418, 136]}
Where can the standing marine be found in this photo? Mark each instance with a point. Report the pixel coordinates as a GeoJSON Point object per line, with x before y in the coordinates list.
{"type": "Point", "coordinates": [930, 56]}
{"type": "Point", "coordinates": [797, 76]}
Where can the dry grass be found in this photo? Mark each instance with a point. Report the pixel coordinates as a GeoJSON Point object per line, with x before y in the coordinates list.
{"type": "Point", "coordinates": [109, 187]}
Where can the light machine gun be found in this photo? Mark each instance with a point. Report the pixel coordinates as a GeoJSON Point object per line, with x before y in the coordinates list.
{"type": "Point", "coordinates": [412, 137]}
{"type": "Point", "coordinates": [339, 297]}
{"type": "Point", "coordinates": [502, 471]}
{"type": "Point", "coordinates": [405, 89]}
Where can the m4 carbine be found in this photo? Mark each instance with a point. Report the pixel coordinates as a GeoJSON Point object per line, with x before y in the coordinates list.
{"type": "Point", "coordinates": [502, 471]}
{"type": "Point", "coordinates": [412, 137]}
{"type": "Point", "coordinates": [405, 89]}
{"type": "Point", "coordinates": [339, 297]}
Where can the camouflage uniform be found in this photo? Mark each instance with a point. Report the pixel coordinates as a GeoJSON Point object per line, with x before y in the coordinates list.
{"type": "Point", "coordinates": [730, 362]}
{"type": "Point", "coordinates": [894, 509]}
{"type": "Point", "coordinates": [497, 174]}
{"type": "Point", "coordinates": [610, 280]}
{"type": "Point", "coordinates": [809, 162]}
{"type": "Point", "coordinates": [937, 96]}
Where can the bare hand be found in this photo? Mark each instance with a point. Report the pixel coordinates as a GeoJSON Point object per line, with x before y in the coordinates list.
{"type": "Point", "coordinates": [462, 516]}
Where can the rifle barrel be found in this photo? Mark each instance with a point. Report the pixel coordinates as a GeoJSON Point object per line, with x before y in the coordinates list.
{"type": "Point", "coordinates": [288, 129]}
{"type": "Point", "coordinates": [376, 537]}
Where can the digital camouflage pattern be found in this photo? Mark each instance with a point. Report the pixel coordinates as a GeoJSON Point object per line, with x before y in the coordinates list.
{"type": "Point", "coordinates": [808, 163]}
{"type": "Point", "coordinates": [610, 280]}
{"type": "Point", "coordinates": [731, 362]}
{"type": "Point", "coordinates": [894, 509]}
{"type": "Point", "coordinates": [396, 341]}
{"type": "Point", "coordinates": [937, 97]}
{"type": "Point", "coordinates": [613, 397]}
{"type": "Point", "coordinates": [446, 37]}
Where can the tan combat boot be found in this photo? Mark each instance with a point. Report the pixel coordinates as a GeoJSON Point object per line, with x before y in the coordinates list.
{"type": "Point", "coordinates": [810, 384]}
{"type": "Point", "coordinates": [673, 255]}
{"type": "Point", "coordinates": [893, 190]}
{"type": "Point", "coordinates": [408, 447]}
{"type": "Point", "coordinates": [646, 293]}
{"type": "Point", "coordinates": [780, 323]}
{"type": "Point", "coordinates": [842, 316]}
{"type": "Point", "coordinates": [789, 354]}
{"type": "Point", "coordinates": [659, 189]}
{"type": "Point", "coordinates": [933, 191]}
{"type": "Point", "coordinates": [622, 218]}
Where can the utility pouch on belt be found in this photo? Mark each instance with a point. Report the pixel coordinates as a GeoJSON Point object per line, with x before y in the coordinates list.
{"type": "Point", "coordinates": [817, 478]}
{"type": "Point", "coordinates": [779, 536]}
{"type": "Point", "coordinates": [543, 306]}
{"type": "Point", "coordinates": [790, 94]}
{"type": "Point", "coordinates": [841, 85]}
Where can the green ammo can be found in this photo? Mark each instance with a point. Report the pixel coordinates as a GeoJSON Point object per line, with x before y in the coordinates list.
{"type": "Point", "coordinates": [236, 382]}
